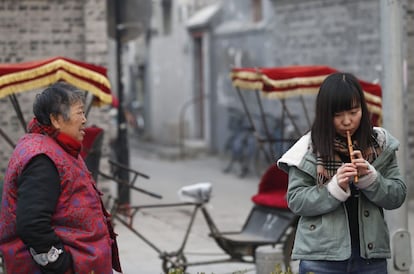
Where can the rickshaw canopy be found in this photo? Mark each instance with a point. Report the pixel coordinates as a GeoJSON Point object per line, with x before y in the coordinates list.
{"type": "Point", "coordinates": [291, 81]}
{"type": "Point", "coordinates": [26, 76]}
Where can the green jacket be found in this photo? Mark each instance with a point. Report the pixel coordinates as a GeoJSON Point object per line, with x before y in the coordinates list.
{"type": "Point", "coordinates": [323, 230]}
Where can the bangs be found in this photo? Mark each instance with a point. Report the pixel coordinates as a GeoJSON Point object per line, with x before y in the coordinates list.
{"type": "Point", "coordinates": [344, 98]}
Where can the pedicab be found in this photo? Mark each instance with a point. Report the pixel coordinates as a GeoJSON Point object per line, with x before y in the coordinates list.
{"type": "Point", "coordinates": [269, 222]}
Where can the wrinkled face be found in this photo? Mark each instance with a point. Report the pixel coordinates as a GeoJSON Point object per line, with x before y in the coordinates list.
{"type": "Point", "coordinates": [347, 120]}
{"type": "Point", "coordinates": [75, 126]}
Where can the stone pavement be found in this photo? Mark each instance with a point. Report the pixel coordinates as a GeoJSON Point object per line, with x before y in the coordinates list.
{"type": "Point", "coordinates": [164, 228]}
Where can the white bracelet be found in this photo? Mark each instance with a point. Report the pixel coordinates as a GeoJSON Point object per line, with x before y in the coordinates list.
{"type": "Point", "coordinates": [44, 258]}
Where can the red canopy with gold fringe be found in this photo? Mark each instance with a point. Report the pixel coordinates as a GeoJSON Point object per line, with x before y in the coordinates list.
{"type": "Point", "coordinates": [21, 77]}
{"type": "Point", "coordinates": [285, 82]}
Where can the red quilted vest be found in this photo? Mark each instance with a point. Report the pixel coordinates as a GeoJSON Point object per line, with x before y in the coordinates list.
{"type": "Point", "coordinates": [79, 220]}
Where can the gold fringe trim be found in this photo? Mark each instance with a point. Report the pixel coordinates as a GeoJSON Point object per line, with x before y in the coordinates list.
{"type": "Point", "coordinates": [249, 85]}
{"type": "Point", "coordinates": [374, 109]}
{"type": "Point", "coordinates": [303, 81]}
{"type": "Point", "coordinates": [240, 79]}
{"type": "Point", "coordinates": [372, 98]}
{"type": "Point", "coordinates": [248, 75]}
{"type": "Point", "coordinates": [290, 93]}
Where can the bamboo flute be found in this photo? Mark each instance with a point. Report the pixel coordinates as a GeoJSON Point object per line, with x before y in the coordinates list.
{"type": "Point", "coordinates": [351, 152]}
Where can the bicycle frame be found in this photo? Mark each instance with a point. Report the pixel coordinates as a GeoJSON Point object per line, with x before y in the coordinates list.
{"type": "Point", "coordinates": [177, 258]}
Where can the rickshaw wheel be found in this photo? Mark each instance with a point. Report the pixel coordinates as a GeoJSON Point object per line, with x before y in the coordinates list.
{"type": "Point", "coordinates": [177, 262]}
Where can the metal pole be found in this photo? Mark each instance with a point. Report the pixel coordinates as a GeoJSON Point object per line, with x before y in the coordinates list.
{"type": "Point", "coordinates": [394, 116]}
{"type": "Point", "coordinates": [121, 148]}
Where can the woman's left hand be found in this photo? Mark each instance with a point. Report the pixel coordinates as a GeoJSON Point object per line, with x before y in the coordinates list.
{"type": "Point", "coordinates": [361, 164]}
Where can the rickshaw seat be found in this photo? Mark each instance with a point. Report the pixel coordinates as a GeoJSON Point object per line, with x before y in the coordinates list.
{"type": "Point", "coordinates": [92, 149]}
{"type": "Point", "coordinates": [272, 188]}
{"type": "Point", "coordinates": [269, 222]}
{"type": "Point", "coordinates": [264, 226]}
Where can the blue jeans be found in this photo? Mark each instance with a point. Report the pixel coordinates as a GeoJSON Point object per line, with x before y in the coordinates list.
{"type": "Point", "coordinates": [354, 265]}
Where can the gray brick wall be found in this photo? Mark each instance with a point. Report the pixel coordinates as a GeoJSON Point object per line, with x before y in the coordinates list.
{"type": "Point", "coordinates": [342, 34]}
{"type": "Point", "coordinates": [409, 47]}
{"type": "Point", "coordinates": [37, 29]}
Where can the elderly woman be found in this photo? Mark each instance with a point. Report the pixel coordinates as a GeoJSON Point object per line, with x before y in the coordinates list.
{"type": "Point", "coordinates": [53, 219]}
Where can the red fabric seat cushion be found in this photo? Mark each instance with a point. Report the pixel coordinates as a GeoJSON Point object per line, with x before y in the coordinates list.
{"type": "Point", "coordinates": [272, 188]}
{"type": "Point", "coordinates": [91, 133]}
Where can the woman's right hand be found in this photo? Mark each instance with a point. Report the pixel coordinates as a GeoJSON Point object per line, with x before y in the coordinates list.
{"type": "Point", "coordinates": [345, 174]}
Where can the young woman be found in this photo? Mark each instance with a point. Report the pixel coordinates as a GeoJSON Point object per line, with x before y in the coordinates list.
{"type": "Point", "coordinates": [340, 201]}
{"type": "Point", "coordinates": [52, 216]}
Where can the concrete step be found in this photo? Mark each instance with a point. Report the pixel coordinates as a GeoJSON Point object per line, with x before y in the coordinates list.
{"type": "Point", "coordinates": [190, 148]}
{"type": "Point", "coordinates": [194, 147]}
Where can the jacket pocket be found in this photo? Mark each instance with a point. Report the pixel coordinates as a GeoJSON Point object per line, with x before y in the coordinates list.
{"type": "Point", "coordinates": [324, 236]}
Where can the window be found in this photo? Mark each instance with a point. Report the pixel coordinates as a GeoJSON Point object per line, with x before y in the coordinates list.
{"type": "Point", "coordinates": [257, 10]}
{"type": "Point", "coordinates": [166, 6]}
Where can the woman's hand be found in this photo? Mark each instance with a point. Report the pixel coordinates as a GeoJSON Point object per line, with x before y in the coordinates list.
{"type": "Point", "coordinates": [358, 167]}
{"type": "Point", "coordinates": [345, 174]}
{"type": "Point", "coordinates": [360, 163]}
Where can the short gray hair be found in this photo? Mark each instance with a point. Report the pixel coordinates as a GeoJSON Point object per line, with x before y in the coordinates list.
{"type": "Point", "coordinates": [56, 100]}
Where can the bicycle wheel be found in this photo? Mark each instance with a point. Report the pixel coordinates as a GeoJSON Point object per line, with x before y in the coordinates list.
{"type": "Point", "coordinates": [172, 262]}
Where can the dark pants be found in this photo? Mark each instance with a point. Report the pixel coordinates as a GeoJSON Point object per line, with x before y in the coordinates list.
{"type": "Point", "coordinates": [354, 265]}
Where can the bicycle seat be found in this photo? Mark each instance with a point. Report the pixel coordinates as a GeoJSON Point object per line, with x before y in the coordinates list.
{"type": "Point", "coordinates": [195, 193]}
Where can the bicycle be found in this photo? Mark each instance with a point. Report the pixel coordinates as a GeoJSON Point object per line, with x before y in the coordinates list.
{"type": "Point", "coordinates": [240, 143]}
{"type": "Point", "coordinates": [279, 139]}
{"type": "Point", "coordinates": [254, 149]}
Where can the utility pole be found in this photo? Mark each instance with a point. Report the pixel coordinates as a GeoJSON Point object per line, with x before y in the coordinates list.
{"type": "Point", "coordinates": [394, 113]}
{"type": "Point", "coordinates": [127, 20]}
{"type": "Point", "coordinates": [121, 148]}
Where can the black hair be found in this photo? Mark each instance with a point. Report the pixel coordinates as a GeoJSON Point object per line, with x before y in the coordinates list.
{"type": "Point", "coordinates": [56, 100]}
{"type": "Point", "coordinates": [339, 92]}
